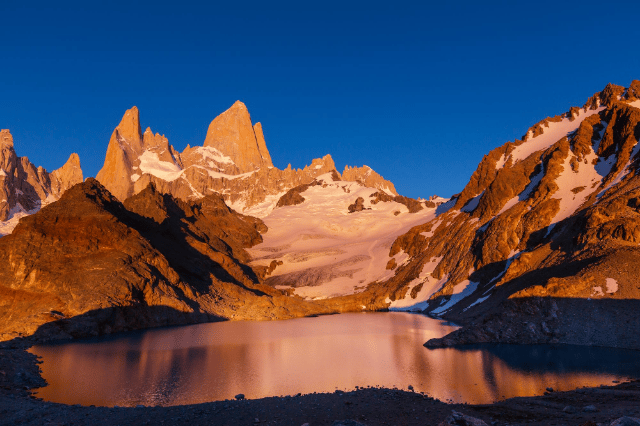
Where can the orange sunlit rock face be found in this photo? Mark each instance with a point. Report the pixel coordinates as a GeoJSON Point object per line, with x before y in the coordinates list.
{"type": "Point", "coordinates": [217, 361]}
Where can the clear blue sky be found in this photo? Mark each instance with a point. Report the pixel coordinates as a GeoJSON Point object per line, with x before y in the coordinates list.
{"type": "Point", "coordinates": [419, 91]}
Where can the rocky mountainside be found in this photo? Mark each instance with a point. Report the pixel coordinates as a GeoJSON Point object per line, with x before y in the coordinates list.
{"type": "Point", "coordinates": [542, 244]}
{"type": "Point", "coordinates": [24, 188]}
{"type": "Point", "coordinates": [234, 162]}
{"type": "Point", "coordinates": [89, 265]}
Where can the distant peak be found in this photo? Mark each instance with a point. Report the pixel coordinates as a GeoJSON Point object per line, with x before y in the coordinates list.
{"type": "Point", "coordinates": [129, 126]}
{"type": "Point", "coordinates": [233, 135]}
{"type": "Point", "coordinates": [238, 105]}
{"type": "Point", "coordinates": [6, 138]}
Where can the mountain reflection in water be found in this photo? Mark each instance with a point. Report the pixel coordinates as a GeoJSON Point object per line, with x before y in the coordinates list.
{"type": "Point", "coordinates": [208, 362]}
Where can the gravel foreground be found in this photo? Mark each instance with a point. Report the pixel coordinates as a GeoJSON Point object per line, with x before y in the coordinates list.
{"type": "Point", "coordinates": [605, 405]}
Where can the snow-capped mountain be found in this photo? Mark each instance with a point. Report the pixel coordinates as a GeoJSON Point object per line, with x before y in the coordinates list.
{"type": "Point", "coordinates": [24, 188]}
{"type": "Point", "coordinates": [545, 223]}
{"type": "Point", "coordinates": [233, 161]}
{"type": "Point", "coordinates": [542, 245]}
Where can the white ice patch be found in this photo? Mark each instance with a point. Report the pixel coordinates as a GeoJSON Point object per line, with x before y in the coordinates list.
{"type": "Point", "coordinates": [552, 134]}
{"type": "Point", "coordinates": [524, 195]}
{"type": "Point", "coordinates": [635, 103]}
{"type": "Point", "coordinates": [472, 204]}
{"type": "Point", "coordinates": [17, 213]}
{"type": "Point", "coordinates": [501, 162]}
{"type": "Point", "coordinates": [625, 171]}
{"type": "Point", "coordinates": [586, 177]}
{"type": "Point", "coordinates": [612, 285]}
{"type": "Point", "coordinates": [135, 177]}
{"type": "Point", "coordinates": [480, 300]}
{"type": "Point", "coordinates": [2, 173]}
{"type": "Point", "coordinates": [217, 175]}
{"type": "Point", "coordinates": [435, 226]}
{"type": "Point", "coordinates": [259, 210]}
{"type": "Point", "coordinates": [429, 286]}
{"type": "Point", "coordinates": [446, 206]}
{"type": "Point", "coordinates": [597, 291]}
{"type": "Point", "coordinates": [150, 163]}
{"type": "Point", "coordinates": [210, 153]}
{"type": "Point", "coordinates": [460, 291]}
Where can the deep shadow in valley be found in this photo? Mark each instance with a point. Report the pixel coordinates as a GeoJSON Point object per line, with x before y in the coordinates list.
{"type": "Point", "coordinates": [99, 322]}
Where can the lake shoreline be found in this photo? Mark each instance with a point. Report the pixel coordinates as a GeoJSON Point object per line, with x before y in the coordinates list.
{"type": "Point", "coordinates": [19, 373]}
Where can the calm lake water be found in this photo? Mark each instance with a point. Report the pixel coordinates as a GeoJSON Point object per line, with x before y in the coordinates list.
{"type": "Point", "coordinates": [208, 362]}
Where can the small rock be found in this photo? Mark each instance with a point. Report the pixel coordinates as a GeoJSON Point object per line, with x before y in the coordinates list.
{"type": "Point", "coordinates": [410, 388]}
{"type": "Point", "coordinates": [239, 396]}
{"type": "Point", "coordinates": [569, 409]}
{"type": "Point", "coordinates": [590, 409]}
{"type": "Point", "coordinates": [549, 389]}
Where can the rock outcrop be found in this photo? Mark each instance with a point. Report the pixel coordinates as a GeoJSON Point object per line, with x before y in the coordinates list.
{"type": "Point", "coordinates": [234, 136]}
{"type": "Point", "coordinates": [24, 188]}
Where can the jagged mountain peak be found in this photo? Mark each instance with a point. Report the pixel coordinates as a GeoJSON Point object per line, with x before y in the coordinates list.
{"type": "Point", "coordinates": [233, 134]}
{"type": "Point", "coordinates": [6, 139]}
{"type": "Point", "coordinates": [234, 161]}
{"type": "Point", "coordinates": [368, 177]}
{"type": "Point", "coordinates": [129, 127]}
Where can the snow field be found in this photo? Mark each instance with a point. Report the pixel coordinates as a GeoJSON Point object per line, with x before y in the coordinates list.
{"type": "Point", "coordinates": [321, 233]}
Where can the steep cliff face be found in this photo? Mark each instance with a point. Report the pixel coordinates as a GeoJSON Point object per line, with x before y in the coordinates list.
{"type": "Point", "coordinates": [543, 222]}
{"type": "Point", "coordinates": [232, 134]}
{"type": "Point", "coordinates": [24, 188]}
{"type": "Point", "coordinates": [234, 162]}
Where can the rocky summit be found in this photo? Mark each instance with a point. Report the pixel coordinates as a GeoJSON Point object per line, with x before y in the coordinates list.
{"type": "Point", "coordinates": [24, 188]}
{"type": "Point", "coordinates": [541, 246]}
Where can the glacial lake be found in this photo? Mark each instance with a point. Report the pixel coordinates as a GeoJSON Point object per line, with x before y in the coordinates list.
{"type": "Point", "coordinates": [216, 361]}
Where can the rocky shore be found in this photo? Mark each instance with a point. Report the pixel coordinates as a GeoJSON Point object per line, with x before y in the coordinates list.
{"type": "Point", "coordinates": [605, 405]}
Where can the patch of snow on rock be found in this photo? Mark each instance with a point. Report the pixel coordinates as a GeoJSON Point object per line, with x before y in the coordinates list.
{"type": "Point", "coordinates": [429, 286]}
{"type": "Point", "coordinates": [150, 163]}
{"type": "Point", "coordinates": [552, 134]}
{"type": "Point", "coordinates": [472, 204]}
{"type": "Point", "coordinates": [612, 285]}
{"type": "Point", "coordinates": [568, 181]}
{"type": "Point", "coordinates": [625, 171]}
{"type": "Point", "coordinates": [210, 153]}
{"type": "Point", "coordinates": [460, 291]}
